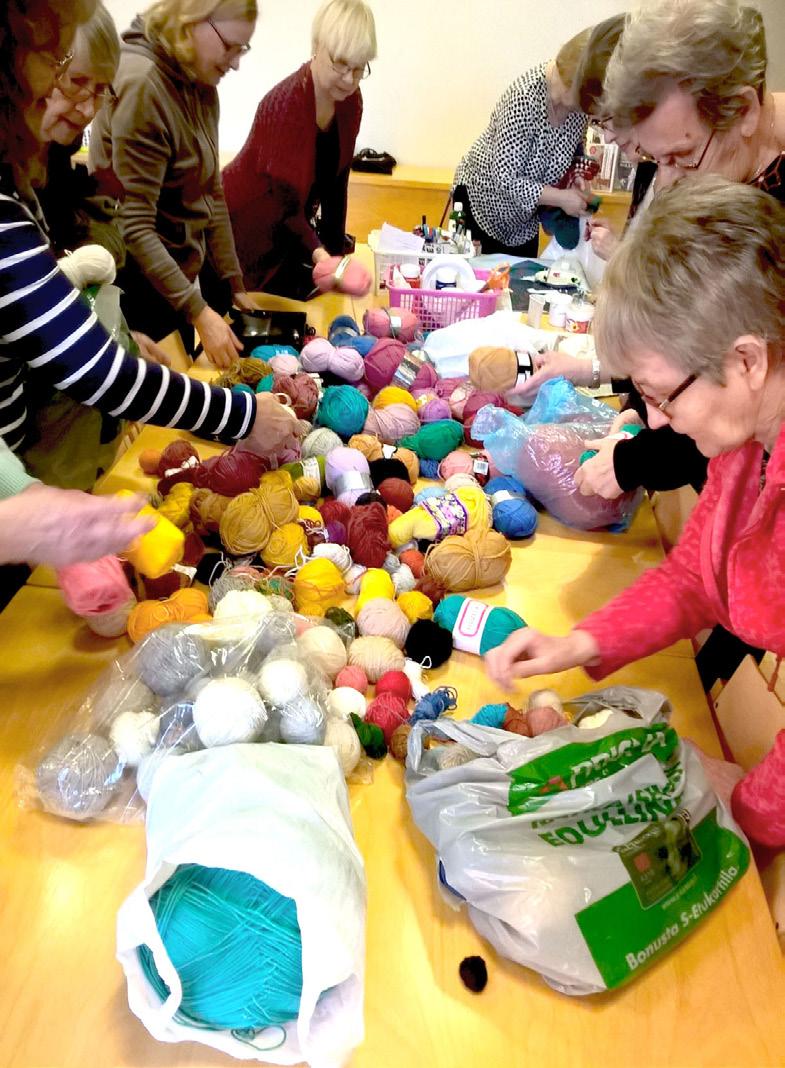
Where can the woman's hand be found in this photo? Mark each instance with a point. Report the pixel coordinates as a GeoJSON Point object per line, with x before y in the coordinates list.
{"type": "Point", "coordinates": [603, 240]}
{"type": "Point", "coordinates": [275, 428]}
{"type": "Point", "coordinates": [527, 652]}
{"type": "Point", "coordinates": [244, 301]}
{"type": "Point", "coordinates": [551, 364]}
{"type": "Point", "coordinates": [573, 201]}
{"type": "Point", "coordinates": [221, 346]}
{"type": "Point", "coordinates": [148, 349]}
{"type": "Point", "coordinates": [597, 476]}
{"type": "Point", "coordinates": [45, 525]}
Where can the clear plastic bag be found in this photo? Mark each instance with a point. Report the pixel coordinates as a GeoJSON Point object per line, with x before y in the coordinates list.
{"type": "Point", "coordinates": [585, 854]}
{"type": "Point", "coordinates": [543, 450]}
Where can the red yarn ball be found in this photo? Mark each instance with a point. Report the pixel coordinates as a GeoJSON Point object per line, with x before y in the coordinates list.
{"type": "Point", "coordinates": [353, 676]}
{"type": "Point", "coordinates": [302, 390]}
{"type": "Point", "coordinates": [382, 362]}
{"type": "Point", "coordinates": [334, 511]}
{"type": "Point", "coordinates": [174, 455]}
{"type": "Point", "coordinates": [366, 535]}
{"type": "Point", "coordinates": [395, 682]}
{"type": "Point", "coordinates": [387, 712]}
{"type": "Point", "coordinates": [433, 590]}
{"type": "Point", "coordinates": [517, 722]}
{"type": "Point", "coordinates": [396, 492]}
{"type": "Point", "coordinates": [414, 560]}
{"type": "Point", "coordinates": [235, 472]}
{"type": "Point", "coordinates": [478, 400]}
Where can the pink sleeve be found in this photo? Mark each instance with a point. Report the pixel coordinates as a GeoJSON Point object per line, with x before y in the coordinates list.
{"type": "Point", "coordinates": [665, 604]}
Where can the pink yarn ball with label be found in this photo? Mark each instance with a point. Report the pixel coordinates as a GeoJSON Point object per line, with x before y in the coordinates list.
{"type": "Point", "coordinates": [379, 322]}
{"type": "Point", "coordinates": [355, 280]}
{"type": "Point", "coordinates": [345, 461]}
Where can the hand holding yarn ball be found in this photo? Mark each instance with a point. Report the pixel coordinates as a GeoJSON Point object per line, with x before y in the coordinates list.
{"type": "Point", "coordinates": [344, 273]}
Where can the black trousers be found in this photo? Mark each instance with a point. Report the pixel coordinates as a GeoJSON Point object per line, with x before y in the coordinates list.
{"type": "Point", "coordinates": [491, 244]}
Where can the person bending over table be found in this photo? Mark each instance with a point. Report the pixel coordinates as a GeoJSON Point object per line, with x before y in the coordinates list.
{"type": "Point", "coordinates": [514, 167]}
{"type": "Point", "coordinates": [691, 309]}
{"type": "Point", "coordinates": [158, 146]}
{"type": "Point", "coordinates": [286, 190]}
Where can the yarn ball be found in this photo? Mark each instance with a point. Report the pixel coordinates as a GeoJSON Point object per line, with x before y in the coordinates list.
{"type": "Point", "coordinates": [235, 944]}
{"type": "Point", "coordinates": [403, 580]}
{"type": "Point", "coordinates": [435, 440]}
{"type": "Point", "coordinates": [343, 409]}
{"type": "Point", "coordinates": [469, 619]}
{"type": "Point", "coordinates": [247, 604]}
{"type": "Point", "coordinates": [341, 736]}
{"type": "Point", "coordinates": [245, 525]}
{"type": "Point", "coordinates": [410, 461]}
{"type": "Point", "coordinates": [286, 546]}
{"type": "Point", "coordinates": [392, 423]}
{"type": "Point", "coordinates": [318, 585]}
{"type": "Point", "coordinates": [387, 712]}
{"type": "Point", "coordinates": [322, 647]}
{"type": "Point", "coordinates": [282, 681]}
{"type": "Point", "coordinates": [545, 699]}
{"type": "Point", "coordinates": [517, 722]}
{"type": "Point", "coordinates": [376, 583]}
{"type": "Point", "coordinates": [303, 721]}
{"type": "Point", "coordinates": [398, 493]}
{"type": "Point", "coordinates": [414, 560]}
{"type": "Point", "coordinates": [368, 444]}
{"type": "Point", "coordinates": [133, 735]}
{"type": "Point", "coordinates": [545, 718]}
{"type": "Point", "coordinates": [513, 513]}
{"type": "Point", "coordinates": [474, 974]}
{"type": "Point", "coordinates": [428, 644]}
{"type": "Point", "coordinates": [432, 589]}
{"type": "Point", "coordinates": [415, 605]}
{"type": "Point", "coordinates": [307, 476]}
{"type": "Point", "coordinates": [284, 364]}
{"type": "Point", "coordinates": [78, 777]}
{"type": "Point", "coordinates": [430, 406]}
{"type": "Point", "coordinates": [122, 694]}
{"type": "Point", "coordinates": [399, 742]}
{"type": "Point", "coordinates": [345, 701]}
{"type": "Point", "coordinates": [366, 535]}
{"type": "Point", "coordinates": [393, 395]}
{"type": "Point", "coordinates": [334, 511]}
{"type": "Point", "coordinates": [382, 362]}
{"type": "Point", "coordinates": [235, 472]}
{"type": "Point", "coordinates": [492, 715]}
{"type": "Point", "coordinates": [383, 617]}
{"type": "Point", "coordinates": [347, 474]}
{"type": "Point", "coordinates": [432, 705]}
{"type": "Point", "coordinates": [227, 711]}
{"type": "Point", "coordinates": [371, 738]}
{"type": "Point", "coordinates": [236, 578]}
{"type": "Point", "coordinates": [95, 587]}
{"type": "Point", "coordinates": [474, 560]}
{"type": "Point", "coordinates": [395, 682]}
{"type": "Point", "coordinates": [375, 655]}
{"type": "Point", "coordinates": [429, 468]}
{"type": "Point", "coordinates": [206, 509]}
{"type": "Point", "coordinates": [171, 657]}
{"type": "Point", "coordinates": [175, 455]}
{"type": "Point", "coordinates": [353, 677]}
{"type": "Point", "coordinates": [301, 390]}
{"type": "Point", "coordinates": [353, 278]}
{"type": "Point", "coordinates": [493, 368]}
{"type": "Point", "coordinates": [319, 355]}
{"type": "Point", "coordinates": [319, 442]}
{"type": "Point", "coordinates": [385, 468]}
{"type": "Point", "coordinates": [464, 463]}
{"type": "Point", "coordinates": [400, 323]}
{"type": "Point", "coordinates": [149, 460]}
{"type": "Point", "coordinates": [480, 399]}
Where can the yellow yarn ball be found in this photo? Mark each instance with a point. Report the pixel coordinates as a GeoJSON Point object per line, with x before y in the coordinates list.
{"type": "Point", "coordinates": [310, 514]}
{"type": "Point", "coordinates": [286, 545]}
{"type": "Point", "coordinates": [318, 586]}
{"type": "Point", "coordinates": [375, 583]}
{"type": "Point", "coordinates": [245, 525]}
{"type": "Point", "coordinates": [176, 505]}
{"type": "Point", "coordinates": [394, 395]}
{"type": "Point", "coordinates": [415, 605]}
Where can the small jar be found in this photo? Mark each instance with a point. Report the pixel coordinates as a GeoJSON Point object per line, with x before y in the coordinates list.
{"type": "Point", "coordinates": [558, 309]}
{"type": "Point", "coordinates": [579, 316]}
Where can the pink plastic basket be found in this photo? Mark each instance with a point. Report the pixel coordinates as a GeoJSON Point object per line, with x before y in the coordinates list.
{"type": "Point", "coordinates": [436, 308]}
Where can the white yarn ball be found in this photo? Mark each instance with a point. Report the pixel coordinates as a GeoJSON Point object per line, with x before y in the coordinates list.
{"type": "Point", "coordinates": [281, 681]}
{"type": "Point", "coordinates": [303, 721]}
{"type": "Point", "coordinates": [595, 719]}
{"type": "Point", "coordinates": [319, 442]}
{"type": "Point", "coordinates": [414, 673]}
{"type": "Point", "coordinates": [280, 604]}
{"type": "Point", "coordinates": [339, 555]}
{"type": "Point", "coordinates": [133, 735]}
{"type": "Point", "coordinates": [452, 756]}
{"type": "Point", "coordinates": [391, 563]}
{"type": "Point", "coordinates": [227, 711]}
{"type": "Point", "coordinates": [89, 265]}
{"type": "Point", "coordinates": [404, 580]}
{"type": "Point", "coordinates": [342, 737]}
{"type": "Point", "coordinates": [345, 700]}
{"type": "Point", "coordinates": [243, 604]}
{"type": "Point", "coordinates": [544, 699]}
{"type": "Point", "coordinates": [322, 647]}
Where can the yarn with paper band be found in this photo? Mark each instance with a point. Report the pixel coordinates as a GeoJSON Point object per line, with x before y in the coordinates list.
{"type": "Point", "coordinates": [414, 559]}
{"type": "Point", "coordinates": [476, 627]}
{"type": "Point", "coordinates": [415, 605]}
{"type": "Point", "coordinates": [428, 643]}
{"type": "Point", "coordinates": [375, 656]}
{"type": "Point", "coordinates": [376, 583]}
{"type": "Point", "coordinates": [471, 561]}
{"type": "Point", "coordinates": [353, 677]}
{"type": "Point", "coordinates": [399, 742]}
{"type": "Point", "coordinates": [235, 944]}
{"type": "Point", "coordinates": [98, 592]}
{"type": "Point", "coordinates": [438, 517]}
{"type": "Point", "coordinates": [395, 682]}
{"type": "Point", "coordinates": [169, 658]}
{"type": "Point", "coordinates": [343, 702]}
{"type": "Point", "coordinates": [384, 618]}
{"type": "Point", "coordinates": [400, 323]}
{"type": "Point", "coordinates": [307, 476]}
{"type": "Point", "coordinates": [496, 369]}
{"type": "Point", "coordinates": [78, 777]}
{"type": "Point", "coordinates": [319, 442]}
{"type": "Point", "coordinates": [343, 409]}
{"type": "Point", "coordinates": [133, 735]}
{"type": "Point", "coordinates": [393, 395]}
{"type": "Point", "coordinates": [513, 513]}
{"type": "Point", "coordinates": [387, 712]}
{"type": "Point", "coordinates": [476, 464]}
{"type": "Point", "coordinates": [347, 474]}
{"type": "Point", "coordinates": [392, 423]}
{"type": "Point", "coordinates": [318, 586]}
{"type": "Point", "coordinates": [320, 355]}
{"type": "Point", "coordinates": [266, 353]}
{"type": "Point", "coordinates": [227, 711]}
{"type": "Point", "coordinates": [435, 440]}
{"type": "Point", "coordinates": [287, 545]}
{"type": "Point", "coordinates": [323, 647]}
{"type": "Point", "coordinates": [341, 736]}
{"type": "Point", "coordinates": [344, 273]}
{"type": "Point", "coordinates": [366, 535]}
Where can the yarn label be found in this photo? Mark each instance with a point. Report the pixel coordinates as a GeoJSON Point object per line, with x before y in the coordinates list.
{"type": "Point", "coordinates": [504, 495]}
{"type": "Point", "coordinates": [352, 480]}
{"type": "Point", "coordinates": [407, 370]}
{"type": "Point", "coordinates": [525, 367]}
{"type": "Point", "coordinates": [448, 513]}
{"type": "Point", "coordinates": [311, 469]}
{"type": "Point", "coordinates": [469, 626]}
{"type": "Point", "coordinates": [388, 451]}
{"type": "Point", "coordinates": [480, 466]}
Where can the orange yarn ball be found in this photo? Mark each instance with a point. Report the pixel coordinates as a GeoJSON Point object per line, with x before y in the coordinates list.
{"type": "Point", "coordinates": [399, 742]}
{"type": "Point", "coordinates": [149, 459]}
{"type": "Point", "coordinates": [146, 617]}
{"type": "Point", "coordinates": [415, 561]}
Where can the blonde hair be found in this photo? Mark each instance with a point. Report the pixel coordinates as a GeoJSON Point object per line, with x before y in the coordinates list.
{"type": "Point", "coordinates": [704, 265]}
{"type": "Point", "coordinates": [98, 37]}
{"type": "Point", "coordinates": [346, 29]}
{"type": "Point", "coordinates": [569, 56]}
{"type": "Point", "coordinates": [169, 21]}
{"type": "Point", "coordinates": [711, 48]}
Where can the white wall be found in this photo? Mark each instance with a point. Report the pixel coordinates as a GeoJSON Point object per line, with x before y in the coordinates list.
{"type": "Point", "coordinates": [442, 64]}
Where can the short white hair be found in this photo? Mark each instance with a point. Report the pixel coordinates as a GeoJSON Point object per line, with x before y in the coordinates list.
{"type": "Point", "coordinates": [346, 29]}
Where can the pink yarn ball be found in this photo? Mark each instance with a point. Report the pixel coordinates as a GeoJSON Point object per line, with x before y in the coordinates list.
{"type": "Point", "coordinates": [382, 618]}
{"type": "Point", "coordinates": [456, 463]}
{"type": "Point", "coordinates": [320, 355]}
{"type": "Point", "coordinates": [100, 586]}
{"type": "Point", "coordinates": [387, 712]}
{"type": "Point", "coordinates": [381, 322]}
{"type": "Point", "coordinates": [355, 280]}
{"type": "Point", "coordinates": [432, 408]}
{"type": "Point", "coordinates": [395, 682]}
{"type": "Point", "coordinates": [392, 423]}
{"type": "Point", "coordinates": [478, 400]}
{"type": "Point", "coordinates": [458, 399]}
{"type": "Point", "coordinates": [382, 362]}
{"type": "Point", "coordinates": [445, 387]}
{"type": "Point", "coordinates": [544, 719]}
{"type": "Point", "coordinates": [351, 463]}
{"type": "Point", "coordinates": [426, 377]}
{"type": "Point", "coordinates": [284, 364]}
{"type": "Point", "coordinates": [352, 676]}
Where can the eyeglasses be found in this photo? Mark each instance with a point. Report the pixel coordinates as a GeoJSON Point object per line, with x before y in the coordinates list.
{"type": "Point", "coordinates": [603, 124]}
{"type": "Point", "coordinates": [671, 161]}
{"type": "Point", "coordinates": [232, 48]}
{"type": "Point", "coordinates": [343, 70]}
{"type": "Point", "coordinates": [664, 405]}
{"type": "Point", "coordinates": [59, 64]}
{"type": "Point", "coordinates": [80, 91]}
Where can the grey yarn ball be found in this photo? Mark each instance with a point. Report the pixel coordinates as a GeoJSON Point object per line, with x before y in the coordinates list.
{"type": "Point", "coordinates": [176, 727]}
{"type": "Point", "coordinates": [319, 442]}
{"type": "Point", "coordinates": [170, 657]}
{"type": "Point", "coordinates": [120, 695]}
{"type": "Point", "coordinates": [78, 777]}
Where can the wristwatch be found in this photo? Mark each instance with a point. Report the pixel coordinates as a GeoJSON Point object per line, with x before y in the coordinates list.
{"type": "Point", "coordinates": [595, 372]}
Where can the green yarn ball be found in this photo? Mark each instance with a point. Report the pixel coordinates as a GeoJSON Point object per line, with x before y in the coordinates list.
{"type": "Point", "coordinates": [235, 944]}
{"type": "Point", "coordinates": [434, 440]}
{"type": "Point", "coordinates": [500, 624]}
{"type": "Point", "coordinates": [371, 738]}
{"type": "Point", "coordinates": [343, 409]}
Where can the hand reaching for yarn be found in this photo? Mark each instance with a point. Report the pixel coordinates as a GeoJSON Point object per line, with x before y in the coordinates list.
{"type": "Point", "coordinates": [344, 273]}
{"type": "Point", "coordinates": [221, 346]}
{"type": "Point", "coordinates": [45, 525]}
{"type": "Point", "coordinates": [597, 476]}
{"type": "Point", "coordinates": [244, 301]}
{"type": "Point", "coordinates": [275, 428]}
{"type": "Point", "coordinates": [148, 349]}
{"type": "Point", "coordinates": [552, 364]}
{"type": "Point", "coordinates": [527, 652]}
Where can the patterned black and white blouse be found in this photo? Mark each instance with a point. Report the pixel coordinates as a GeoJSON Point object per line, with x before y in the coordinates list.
{"type": "Point", "coordinates": [518, 153]}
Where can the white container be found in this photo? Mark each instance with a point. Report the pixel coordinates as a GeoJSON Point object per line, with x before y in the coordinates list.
{"type": "Point", "coordinates": [536, 309]}
{"type": "Point", "coordinates": [558, 311]}
{"type": "Point", "coordinates": [579, 316]}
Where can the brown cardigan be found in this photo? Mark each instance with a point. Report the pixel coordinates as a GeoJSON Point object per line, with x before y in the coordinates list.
{"type": "Point", "coordinates": [160, 141]}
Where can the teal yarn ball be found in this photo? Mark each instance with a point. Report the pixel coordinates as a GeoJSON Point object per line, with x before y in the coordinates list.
{"type": "Point", "coordinates": [266, 352]}
{"type": "Point", "coordinates": [235, 944]}
{"type": "Point", "coordinates": [491, 716]}
{"type": "Point", "coordinates": [242, 388]}
{"type": "Point", "coordinates": [499, 624]}
{"type": "Point", "coordinates": [434, 440]}
{"type": "Point", "coordinates": [265, 385]}
{"type": "Point", "coordinates": [343, 409]}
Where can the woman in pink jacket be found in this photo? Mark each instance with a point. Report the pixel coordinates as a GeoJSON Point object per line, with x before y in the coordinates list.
{"type": "Point", "coordinates": [693, 310]}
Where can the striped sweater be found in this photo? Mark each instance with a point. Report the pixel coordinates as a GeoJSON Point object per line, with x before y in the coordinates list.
{"type": "Point", "coordinates": [47, 330]}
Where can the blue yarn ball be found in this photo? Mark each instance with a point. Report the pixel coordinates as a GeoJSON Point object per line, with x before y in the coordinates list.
{"type": "Point", "coordinates": [516, 517]}
{"type": "Point", "coordinates": [435, 704]}
{"type": "Point", "coordinates": [343, 409]}
{"type": "Point", "coordinates": [342, 326]}
{"type": "Point", "coordinates": [429, 468]}
{"type": "Point", "coordinates": [490, 716]}
{"type": "Point", "coordinates": [429, 491]}
{"type": "Point", "coordinates": [499, 625]}
{"type": "Point", "coordinates": [235, 944]}
{"type": "Point", "coordinates": [265, 384]}
{"type": "Point", "coordinates": [266, 352]}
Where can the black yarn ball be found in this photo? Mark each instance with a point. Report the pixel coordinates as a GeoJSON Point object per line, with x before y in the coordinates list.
{"type": "Point", "coordinates": [428, 642]}
{"type": "Point", "coordinates": [384, 468]}
{"type": "Point", "coordinates": [474, 974]}
{"type": "Point", "coordinates": [370, 498]}
{"type": "Point", "coordinates": [210, 568]}
{"type": "Point", "coordinates": [424, 545]}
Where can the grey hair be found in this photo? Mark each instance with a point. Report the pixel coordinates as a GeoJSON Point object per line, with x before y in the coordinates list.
{"type": "Point", "coordinates": [704, 265]}
{"type": "Point", "coordinates": [98, 36]}
{"type": "Point", "coordinates": [346, 28]}
{"type": "Point", "coordinates": [711, 48]}
{"type": "Point", "coordinates": [590, 74]}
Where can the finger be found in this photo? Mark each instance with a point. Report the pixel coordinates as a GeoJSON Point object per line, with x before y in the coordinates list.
{"type": "Point", "coordinates": [236, 341]}
{"type": "Point", "coordinates": [595, 443]}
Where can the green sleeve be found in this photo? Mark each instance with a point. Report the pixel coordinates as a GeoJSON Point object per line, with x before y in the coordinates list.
{"type": "Point", "coordinates": [13, 477]}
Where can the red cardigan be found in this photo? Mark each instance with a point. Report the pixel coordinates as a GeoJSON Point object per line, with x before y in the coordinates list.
{"type": "Point", "coordinates": [728, 568]}
{"type": "Point", "coordinates": [268, 183]}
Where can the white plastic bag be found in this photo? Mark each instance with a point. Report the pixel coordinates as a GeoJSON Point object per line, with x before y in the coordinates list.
{"type": "Point", "coordinates": [281, 814]}
{"type": "Point", "coordinates": [585, 854]}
